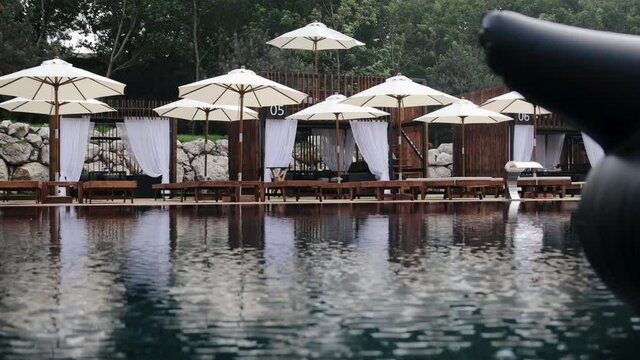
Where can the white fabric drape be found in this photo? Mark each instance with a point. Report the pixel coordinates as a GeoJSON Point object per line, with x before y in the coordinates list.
{"type": "Point", "coordinates": [279, 137]}
{"type": "Point", "coordinates": [522, 142]}
{"type": "Point", "coordinates": [347, 148]}
{"type": "Point", "coordinates": [371, 137]}
{"type": "Point", "coordinates": [74, 138]}
{"type": "Point", "coordinates": [595, 153]}
{"type": "Point", "coordinates": [149, 140]}
{"type": "Point", "coordinates": [124, 137]}
{"type": "Point", "coordinates": [549, 149]}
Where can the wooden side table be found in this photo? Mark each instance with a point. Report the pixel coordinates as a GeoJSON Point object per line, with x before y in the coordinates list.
{"type": "Point", "coordinates": [46, 185]}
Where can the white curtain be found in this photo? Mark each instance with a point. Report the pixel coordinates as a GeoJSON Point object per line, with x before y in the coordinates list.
{"type": "Point", "coordinates": [371, 137]}
{"type": "Point", "coordinates": [124, 137]}
{"type": "Point", "coordinates": [549, 149]}
{"type": "Point", "coordinates": [279, 137]}
{"type": "Point", "coordinates": [74, 138]}
{"type": "Point", "coordinates": [150, 143]}
{"type": "Point", "coordinates": [347, 148]}
{"type": "Point", "coordinates": [595, 153]}
{"type": "Point", "coordinates": [522, 142]}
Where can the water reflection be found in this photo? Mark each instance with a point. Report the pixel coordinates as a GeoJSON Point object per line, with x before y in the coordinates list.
{"type": "Point", "coordinates": [380, 280]}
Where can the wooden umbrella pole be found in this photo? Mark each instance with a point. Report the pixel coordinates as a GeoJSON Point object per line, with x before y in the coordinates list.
{"type": "Point", "coordinates": [399, 131]}
{"type": "Point", "coordinates": [54, 157]}
{"type": "Point", "coordinates": [240, 136]}
{"type": "Point", "coordinates": [535, 138]}
{"type": "Point", "coordinates": [206, 139]}
{"type": "Point", "coordinates": [463, 156]}
{"type": "Point", "coordinates": [338, 147]}
{"type": "Point", "coordinates": [315, 72]}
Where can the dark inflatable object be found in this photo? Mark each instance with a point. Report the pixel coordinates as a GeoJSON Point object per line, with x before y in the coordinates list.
{"type": "Point", "coordinates": [591, 78]}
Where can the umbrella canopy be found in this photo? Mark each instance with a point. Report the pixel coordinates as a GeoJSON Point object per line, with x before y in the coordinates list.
{"type": "Point", "coordinates": [314, 36]}
{"type": "Point", "coordinates": [54, 80]}
{"type": "Point", "coordinates": [513, 103]}
{"type": "Point", "coordinates": [241, 87]}
{"type": "Point", "coordinates": [333, 109]}
{"type": "Point", "coordinates": [47, 107]}
{"type": "Point", "coordinates": [198, 110]}
{"type": "Point", "coordinates": [400, 91]}
{"type": "Point", "coordinates": [463, 112]}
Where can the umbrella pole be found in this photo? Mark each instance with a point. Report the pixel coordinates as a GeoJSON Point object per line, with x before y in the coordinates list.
{"type": "Point", "coordinates": [338, 147]}
{"type": "Point", "coordinates": [240, 138]}
{"type": "Point", "coordinates": [206, 139]}
{"type": "Point", "coordinates": [315, 71]}
{"type": "Point", "coordinates": [399, 131]}
{"type": "Point", "coordinates": [54, 157]}
{"type": "Point", "coordinates": [463, 159]}
{"type": "Point", "coordinates": [535, 138]}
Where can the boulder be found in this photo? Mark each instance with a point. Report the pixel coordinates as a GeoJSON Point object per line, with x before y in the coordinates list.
{"type": "Point", "coordinates": [35, 155]}
{"type": "Point", "coordinates": [189, 176]}
{"type": "Point", "coordinates": [444, 159]}
{"type": "Point", "coordinates": [14, 151]}
{"type": "Point", "coordinates": [439, 172]}
{"type": "Point", "coordinates": [217, 167]}
{"type": "Point", "coordinates": [196, 147]}
{"type": "Point", "coordinates": [18, 130]}
{"type": "Point", "coordinates": [446, 148]}
{"type": "Point", "coordinates": [94, 166]}
{"type": "Point", "coordinates": [31, 171]}
{"type": "Point", "coordinates": [4, 171]}
{"type": "Point", "coordinates": [34, 139]}
{"type": "Point", "coordinates": [93, 152]}
{"type": "Point", "coordinates": [178, 143]}
{"type": "Point", "coordinates": [433, 153]}
{"type": "Point", "coordinates": [4, 126]}
{"type": "Point", "coordinates": [179, 173]}
{"type": "Point", "coordinates": [222, 147]}
{"type": "Point", "coordinates": [44, 155]}
{"type": "Point", "coordinates": [44, 133]}
{"type": "Point", "coordinates": [182, 157]}
{"type": "Point", "coordinates": [116, 147]}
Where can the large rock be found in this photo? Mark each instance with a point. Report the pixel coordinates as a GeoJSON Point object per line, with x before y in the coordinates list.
{"type": "Point", "coordinates": [196, 147]}
{"type": "Point", "coordinates": [93, 152]}
{"type": "Point", "coordinates": [14, 151]}
{"type": "Point", "coordinates": [44, 133]}
{"type": "Point", "coordinates": [94, 166]}
{"type": "Point", "coordinates": [35, 155]}
{"type": "Point", "coordinates": [34, 139]}
{"type": "Point", "coordinates": [179, 173]}
{"type": "Point", "coordinates": [217, 167]}
{"type": "Point", "coordinates": [433, 153]}
{"type": "Point", "coordinates": [221, 147]}
{"type": "Point", "coordinates": [31, 171]}
{"type": "Point", "coordinates": [18, 130]}
{"type": "Point", "coordinates": [189, 176]}
{"type": "Point", "coordinates": [182, 157]}
{"type": "Point", "coordinates": [4, 126]}
{"type": "Point", "coordinates": [446, 148]}
{"type": "Point", "coordinates": [44, 155]}
{"type": "Point", "coordinates": [4, 171]}
{"type": "Point", "coordinates": [444, 159]}
{"type": "Point", "coordinates": [117, 147]}
{"type": "Point", "coordinates": [439, 172]}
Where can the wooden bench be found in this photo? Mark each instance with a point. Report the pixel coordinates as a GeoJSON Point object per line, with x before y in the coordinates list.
{"type": "Point", "coordinates": [256, 186]}
{"type": "Point", "coordinates": [170, 188]}
{"type": "Point", "coordinates": [474, 186]}
{"type": "Point", "coordinates": [299, 187]}
{"type": "Point", "coordinates": [575, 188]}
{"type": "Point", "coordinates": [20, 185]}
{"type": "Point", "coordinates": [416, 188]}
{"type": "Point", "coordinates": [125, 187]}
{"type": "Point", "coordinates": [232, 188]}
{"type": "Point", "coordinates": [544, 185]}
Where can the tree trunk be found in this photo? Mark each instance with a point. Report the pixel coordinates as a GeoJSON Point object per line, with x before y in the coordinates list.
{"type": "Point", "coordinates": [195, 38]}
{"type": "Point", "coordinates": [43, 24]}
{"type": "Point", "coordinates": [118, 46]}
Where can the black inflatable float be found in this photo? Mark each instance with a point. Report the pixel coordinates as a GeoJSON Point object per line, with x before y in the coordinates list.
{"type": "Point", "coordinates": [591, 78]}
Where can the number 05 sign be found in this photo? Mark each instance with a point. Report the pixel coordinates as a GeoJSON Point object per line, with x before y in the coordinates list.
{"type": "Point", "coordinates": [273, 112]}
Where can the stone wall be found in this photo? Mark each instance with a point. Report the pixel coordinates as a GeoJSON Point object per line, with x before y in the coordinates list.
{"type": "Point", "coordinates": [441, 161]}
{"type": "Point", "coordinates": [24, 155]}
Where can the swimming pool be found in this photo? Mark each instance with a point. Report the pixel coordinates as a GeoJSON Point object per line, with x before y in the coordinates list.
{"type": "Point", "coordinates": [446, 280]}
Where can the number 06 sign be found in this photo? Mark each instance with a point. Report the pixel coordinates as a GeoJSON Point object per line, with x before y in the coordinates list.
{"type": "Point", "coordinates": [523, 119]}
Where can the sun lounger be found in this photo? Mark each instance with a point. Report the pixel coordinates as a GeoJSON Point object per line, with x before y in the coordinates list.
{"type": "Point", "coordinates": [109, 189]}
{"type": "Point", "coordinates": [415, 187]}
{"type": "Point", "coordinates": [230, 188]}
{"type": "Point", "coordinates": [544, 185]}
{"type": "Point", "coordinates": [20, 185]}
{"type": "Point", "coordinates": [299, 187]}
{"type": "Point", "coordinates": [474, 186]}
{"type": "Point", "coordinates": [575, 188]}
{"type": "Point", "coordinates": [170, 188]}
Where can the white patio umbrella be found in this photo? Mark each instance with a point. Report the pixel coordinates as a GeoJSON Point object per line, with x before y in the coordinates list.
{"type": "Point", "coordinates": [198, 110]}
{"type": "Point", "coordinates": [55, 80]}
{"type": "Point", "coordinates": [463, 112]}
{"type": "Point", "coordinates": [514, 103]}
{"type": "Point", "coordinates": [314, 36]}
{"type": "Point", "coordinates": [400, 91]}
{"type": "Point", "coordinates": [48, 107]}
{"type": "Point", "coordinates": [241, 87]}
{"type": "Point", "coordinates": [333, 109]}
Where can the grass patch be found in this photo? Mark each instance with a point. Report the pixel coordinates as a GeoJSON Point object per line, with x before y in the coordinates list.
{"type": "Point", "coordinates": [183, 138]}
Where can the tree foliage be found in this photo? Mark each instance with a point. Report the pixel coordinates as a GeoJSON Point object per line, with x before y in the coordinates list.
{"type": "Point", "coordinates": [156, 45]}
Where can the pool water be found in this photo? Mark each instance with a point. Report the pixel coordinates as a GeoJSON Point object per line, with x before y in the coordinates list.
{"type": "Point", "coordinates": [438, 280]}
